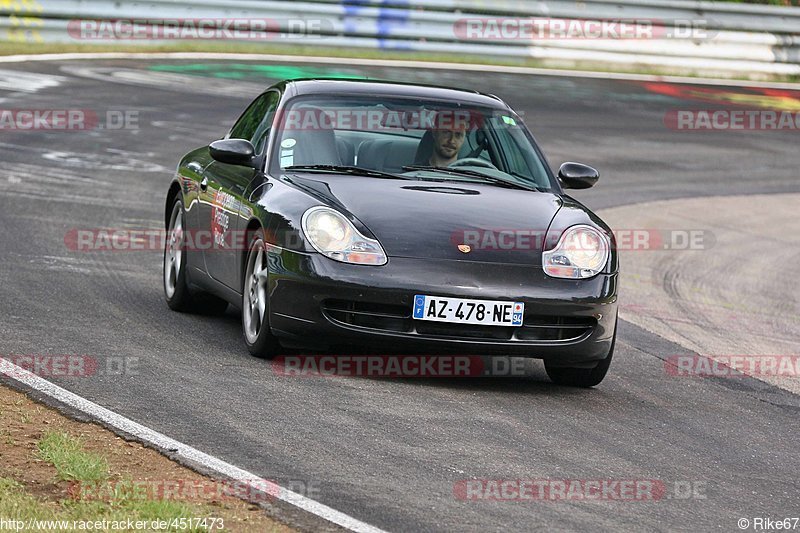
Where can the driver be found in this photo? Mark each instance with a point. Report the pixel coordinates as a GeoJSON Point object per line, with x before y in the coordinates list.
{"type": "Point", "coordinates": [448, 138]}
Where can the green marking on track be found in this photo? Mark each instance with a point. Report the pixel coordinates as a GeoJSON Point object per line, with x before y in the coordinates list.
{"type": "Point", "coordinates": [238, 71]}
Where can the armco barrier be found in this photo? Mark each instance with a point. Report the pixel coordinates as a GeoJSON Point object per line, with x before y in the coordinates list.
{"type": "Point", "coordinates": [742, 39]}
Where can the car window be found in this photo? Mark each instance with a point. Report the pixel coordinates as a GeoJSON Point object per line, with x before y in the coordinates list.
{"type": "Point", "coordinates": [390, 134]}
{"type": "Point", "coordinates": [477, 145]}
{"type": "Point", "coordinates": [256, 122]}
{"type": "Point", "coordinates": [514, 145]}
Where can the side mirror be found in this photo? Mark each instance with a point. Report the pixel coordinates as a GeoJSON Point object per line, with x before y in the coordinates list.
{"type": "Point", "coordinates": [577, 176]}
{"type": "Point", "coordinates": [233, 152]}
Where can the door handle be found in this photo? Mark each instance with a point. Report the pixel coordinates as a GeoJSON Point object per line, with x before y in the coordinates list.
{"type": "Point", "coordinates": [204, 184]}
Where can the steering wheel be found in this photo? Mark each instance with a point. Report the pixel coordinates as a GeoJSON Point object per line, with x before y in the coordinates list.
{"type": "Point", "coordinates": [472, 162]}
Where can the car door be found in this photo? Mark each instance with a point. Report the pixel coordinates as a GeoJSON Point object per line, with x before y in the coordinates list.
{"type": "Point", "coordinates": [222, 194]}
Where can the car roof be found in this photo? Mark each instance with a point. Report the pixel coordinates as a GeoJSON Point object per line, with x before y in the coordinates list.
{"type": "Point", "coordinates": [356, 86]}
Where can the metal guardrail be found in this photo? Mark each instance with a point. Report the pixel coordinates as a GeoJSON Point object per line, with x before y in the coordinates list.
{"type": "Point", "coordinates": [721, 15]}
{"type": "Point", "coordinates": [734, 38]}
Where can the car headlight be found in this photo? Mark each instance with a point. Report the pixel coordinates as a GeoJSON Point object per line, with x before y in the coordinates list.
{"type": "Point", "coordinates": [581, 252]}
{"type": "Point", "coordinates": [332, 235]}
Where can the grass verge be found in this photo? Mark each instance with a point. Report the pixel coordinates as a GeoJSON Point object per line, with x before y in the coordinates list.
{"type": "Point", "coordinates": [53, 469]}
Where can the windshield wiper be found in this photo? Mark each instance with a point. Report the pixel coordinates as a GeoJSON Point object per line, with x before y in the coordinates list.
{"type": "Point", "coordinates": [473, 173]}
{"type": "Point", "coordinates": [346, 169]}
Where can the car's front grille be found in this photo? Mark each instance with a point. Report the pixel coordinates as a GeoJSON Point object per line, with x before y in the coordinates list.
{"type": "Point", "coordinates": [555, 328]}
{"type": "Point", "coordinates": [369, 315]}
{"type": "Point", "coordinates": [470, 331]}
{"type": "Point", "coordinates": [397, 319]}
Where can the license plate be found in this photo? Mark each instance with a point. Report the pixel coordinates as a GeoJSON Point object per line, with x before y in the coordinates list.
{"type": "Point", "coordinates": [464, 311]}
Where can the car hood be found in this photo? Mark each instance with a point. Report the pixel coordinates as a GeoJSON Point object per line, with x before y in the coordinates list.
{"type": "Point", "coordinates": [426, 219]}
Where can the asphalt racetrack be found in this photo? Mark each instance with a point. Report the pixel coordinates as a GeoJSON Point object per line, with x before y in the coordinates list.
{"type": "Point", "coordinates": [394, 452]}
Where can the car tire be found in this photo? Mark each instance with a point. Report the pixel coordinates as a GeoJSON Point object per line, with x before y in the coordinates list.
{"type": "Point", "coordinates": [255, 305]}
{"type": "Point", "coordinates": [581, 377]}
{"type": "Point", "coordinates": [176, 291]}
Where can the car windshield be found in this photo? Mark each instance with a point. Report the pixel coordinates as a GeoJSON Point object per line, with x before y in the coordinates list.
{"type": "Point", "coordinates": [407, 139]}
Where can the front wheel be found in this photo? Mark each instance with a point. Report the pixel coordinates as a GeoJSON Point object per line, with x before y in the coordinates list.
{"type": "Point", "coordinates": [255, 307]}
{"type": "Point", "coordinates": [581, 377]}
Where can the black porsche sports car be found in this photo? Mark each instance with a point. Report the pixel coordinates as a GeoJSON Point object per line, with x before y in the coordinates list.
{"type": "Point", "coordinates": [393, 217]}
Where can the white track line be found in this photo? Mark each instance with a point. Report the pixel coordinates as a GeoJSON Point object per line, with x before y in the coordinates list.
{"type": "Point", "coordinates": [161, 441]}
{"type": "Point", "coordinates": [398, 63]}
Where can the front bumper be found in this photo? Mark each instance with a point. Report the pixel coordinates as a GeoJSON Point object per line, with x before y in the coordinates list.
{"type": "Point", "coordinates": [319, 303]}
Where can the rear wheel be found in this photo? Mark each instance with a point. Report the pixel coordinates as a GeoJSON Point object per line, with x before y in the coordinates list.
{"type": "Point", "coordinates": [176, 291]}
{"type": "Point", "coordinates": [255, 306]}
{"type": "Point", "coordinates": [581, 377]}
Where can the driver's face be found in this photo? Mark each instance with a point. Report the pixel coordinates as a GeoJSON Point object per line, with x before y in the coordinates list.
{"type": "Point", "coordinates": [447, 143]}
